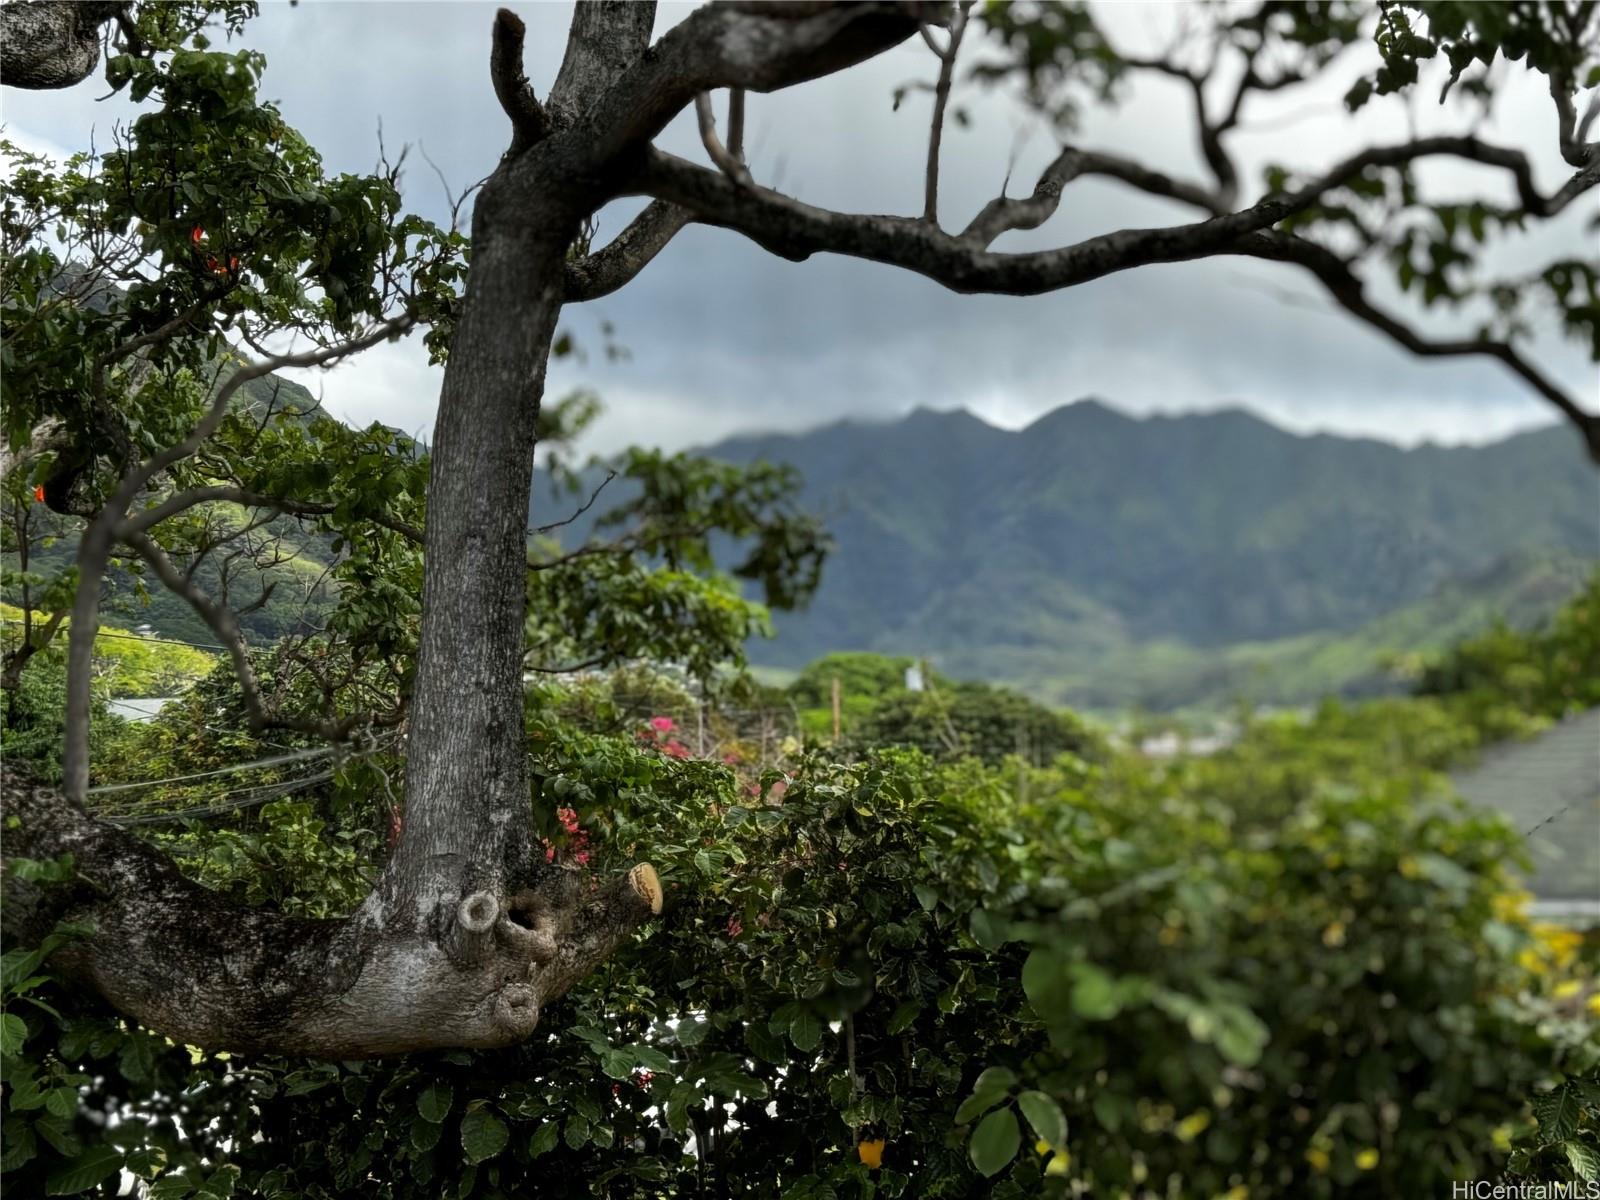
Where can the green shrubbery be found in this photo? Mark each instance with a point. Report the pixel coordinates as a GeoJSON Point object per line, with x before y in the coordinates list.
{"type": "Point", "coordinates": [1119, 976]}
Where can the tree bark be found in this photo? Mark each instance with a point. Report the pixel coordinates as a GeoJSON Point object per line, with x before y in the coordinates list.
{"type": "Point", "coordinates": [163, 951]}
{"type": "Point", "coordinates": [469, 932]}
{"type": "Point", "coordinates": [51, 44]}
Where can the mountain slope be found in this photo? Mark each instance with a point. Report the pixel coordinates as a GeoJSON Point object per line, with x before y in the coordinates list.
{"type": "Point", "coordinates": [1098, 558]}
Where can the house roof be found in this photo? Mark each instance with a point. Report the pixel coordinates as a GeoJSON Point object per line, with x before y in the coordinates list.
{"type": "Point", "coordinates": [1549, 788]}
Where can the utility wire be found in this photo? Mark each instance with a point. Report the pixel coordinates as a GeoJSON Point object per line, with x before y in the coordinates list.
{"type": "Point", "coordinates": [261, 763]}
{"type": "Point", "coordinates": [135, 637]}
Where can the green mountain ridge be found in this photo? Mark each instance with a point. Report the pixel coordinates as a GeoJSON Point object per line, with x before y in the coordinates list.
{"type": "Point", "coordinates": [1104, 560]}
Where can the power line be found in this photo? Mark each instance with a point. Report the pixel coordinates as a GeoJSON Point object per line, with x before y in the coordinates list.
{"type": "Point", "coordinates": [249, 798]}
{"type": "Point", "coordinates": [261, 763]}
{"type": "Point", "coordinates": [135, 637]}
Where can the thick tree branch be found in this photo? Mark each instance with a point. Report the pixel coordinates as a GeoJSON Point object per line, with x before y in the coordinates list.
{"type": "Point", "coordinates": [1571, 133]}
{"type": "Point", "coordinates": [796, 230]}
{"type": "Point", "coordinates": [606, 38]}
{"type": "Point", "coordinates": [177, 958]}
{"type": "Point", "coordinates": [47, 44]}
{"type": "Point", "coordinates": [606, 270]}
{"type": "Point", "coordinates": [511, 87]}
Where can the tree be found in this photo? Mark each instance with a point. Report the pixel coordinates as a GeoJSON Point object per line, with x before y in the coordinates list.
{"type": "Point", "coordinates": [468, 933]}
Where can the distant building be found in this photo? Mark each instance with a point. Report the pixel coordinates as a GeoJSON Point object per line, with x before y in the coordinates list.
{"type": "Point", "coordinates": [1549, 789]}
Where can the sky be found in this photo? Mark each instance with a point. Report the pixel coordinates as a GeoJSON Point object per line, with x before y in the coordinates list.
{"type": "Point", "coordinates": [722, 338]}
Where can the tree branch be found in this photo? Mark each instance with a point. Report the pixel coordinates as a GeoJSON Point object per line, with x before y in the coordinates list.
{"type": "Point", "coordinates": [941, 98]}
{"type": "Point", "coordinates": [795, 230]}
{"type": "Point", "coordinates": [100, 535]}
{"type": "Point", "coordinates": [614, 266]}
{"type": "Point", "coordinates": [511, 87]}
{"type": "Point", "coordinates": [1347, 290]}
{"type": "Point", "coordinates": [182, 501]}
{"type": "Point", "coordinates": [727, 162]}
{"type": "Point", "coordinates": [225, 625]}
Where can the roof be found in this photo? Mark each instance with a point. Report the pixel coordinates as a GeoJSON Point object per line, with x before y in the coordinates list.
{"type": "Point", "coordinates": [1549, 788]}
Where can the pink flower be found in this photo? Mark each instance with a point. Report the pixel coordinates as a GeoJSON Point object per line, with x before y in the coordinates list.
{"type": "Point", "coordinates": [735, 927]}
{"type": "Point", "coordinates": [662, 724]}
{"type": "Point", "coordinates": [730, 759]}
{"type": "Point", "coordinates": [581, 858]}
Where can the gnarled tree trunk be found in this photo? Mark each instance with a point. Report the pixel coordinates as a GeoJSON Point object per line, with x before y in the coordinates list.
{"type": "Point", "coordinates": [469, 933]}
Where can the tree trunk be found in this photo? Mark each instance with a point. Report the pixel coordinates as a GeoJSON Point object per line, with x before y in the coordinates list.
{"type": "Point", "coordinates": [469, 933]}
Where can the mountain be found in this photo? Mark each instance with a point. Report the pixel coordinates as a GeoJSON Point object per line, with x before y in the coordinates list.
{"type": "Point", "coordinates": [1104, 560]}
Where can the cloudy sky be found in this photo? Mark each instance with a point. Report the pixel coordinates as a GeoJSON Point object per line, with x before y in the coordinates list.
{"type": "Point", "coordinates": [723, 338]}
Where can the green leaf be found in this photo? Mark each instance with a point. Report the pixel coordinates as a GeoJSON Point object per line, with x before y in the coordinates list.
{"type": "Point", "coordinates": [1584, 1159]}
{"type": "Point", "coordinates": [13, 1032]}
{"type": "Point", "coordinates": [903, 1016]}
{"type": "Point", "coordinates": [1044, 981]}
{"type": "Point", "coordinates": [544, 1139]}
{"type": "Point", "coordinates": [434, 1102]}
{"type": "Point", "coordinates": [805, 1031]}
{"type": "Point", "coordinates": [993, 1086]}
{"type": "Point", "coordinates": [692, 1031]}
{"type": "Point", "coordinates": [1557, 1112]}
{"type": "Point", "coordinates": [95, 1166]}
{"type": "Point", "coordinates": [483, 1135]}
{"type": "Point", "coordinates": [1045, 1115]}
{"type": "Point", "coordinates": [995, 1142]}
{"type": "Point", "coordinates": [1094, 994]}
{"type": "Point", "coordinates": [988, 930]}
{"type": "Point", "coordinates": [425, 1134]}
{"type": "Point", "coordinates": [170, 1187]}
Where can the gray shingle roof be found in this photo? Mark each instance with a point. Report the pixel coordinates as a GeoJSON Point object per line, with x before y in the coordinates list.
{"type": "Point", "coordinates": [1549, 788]}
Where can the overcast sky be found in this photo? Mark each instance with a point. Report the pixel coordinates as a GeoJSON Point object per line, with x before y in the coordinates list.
{"type": "Point", "coordinates": [723, 338]}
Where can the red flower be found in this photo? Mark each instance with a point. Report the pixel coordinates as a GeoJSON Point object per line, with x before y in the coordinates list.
{"type": "Point", "coordinates": [643, 1078]}
{"type": "Point", "coordinates": [735, 927]}
{"type": "Point", "coordinates": [38, 493]}
{"type": "Point", "coordinates": [676, 749]}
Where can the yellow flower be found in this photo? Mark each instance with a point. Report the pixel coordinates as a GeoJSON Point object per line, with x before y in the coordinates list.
{"type": "Point", "coordinates": [1500, 1138]}
{"type": "Point", "coordinates": [871, 1152]}
{"type": "Point", "coordinates": [1333, 935]}
{"type": "Point", "coordinates": [1594, 1004]}
{"type": "Point", "coordinates": [1193, 1125]}
{"type": "Point", "coordinates": [1367, 1159]}
{"type": "Point", "coordinates": [1511, 907]}
{"type": "Point", "coordinates": [1041, 1147]}
{"type": "Point", "coordinates": [1566, 989]}
{"type": "Point", "coordinates": [1237, 1192]}
{"type": "Point", "coordinates": [1318, 1160]}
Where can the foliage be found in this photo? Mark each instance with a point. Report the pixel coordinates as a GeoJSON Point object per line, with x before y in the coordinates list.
{"type": "Point", "coordinates": [1294, 969]}
{"type": "Point", "coordinates": [1551, 672]}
